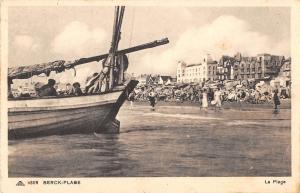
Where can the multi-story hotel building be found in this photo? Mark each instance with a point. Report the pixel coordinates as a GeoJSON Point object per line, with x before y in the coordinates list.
{"type": "Point", "coordinates": [200, 72]}
{"type": "Point", "coordinates": [242, 68]}
{"type": "Point", "coordinates": [260, 67]}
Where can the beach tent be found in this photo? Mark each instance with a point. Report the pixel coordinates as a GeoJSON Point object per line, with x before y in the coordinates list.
{"type": "Point", "coordinates": [262, 87]}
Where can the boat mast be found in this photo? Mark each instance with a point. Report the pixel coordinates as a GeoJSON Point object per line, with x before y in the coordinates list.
{"type": "Point", "coordinates": [116, 36]}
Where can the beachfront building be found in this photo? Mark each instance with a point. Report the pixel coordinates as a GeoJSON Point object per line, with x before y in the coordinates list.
{"type": "Point", "coordinates": [227, 67]}
{"type": "Point", "coordinates": [24, 87]}
{"type": "Point", "coordinates": [199, 72]}
{"type": "Point", "coordinates": [145, 79]}
{"type": "Point", "coordinates": [164, 80]}
{"type": "Point", "coordinates": [155, 79]}
{"type": "Point", "coordinates": [285, 70]}
{"type": "Point", "coordinates": [262, 66]}
{"type": "Point", "coordinates": [284, 76]}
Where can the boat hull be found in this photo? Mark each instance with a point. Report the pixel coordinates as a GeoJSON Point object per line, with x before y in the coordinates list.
{"type": "Point", "coordinates": [60, 116]}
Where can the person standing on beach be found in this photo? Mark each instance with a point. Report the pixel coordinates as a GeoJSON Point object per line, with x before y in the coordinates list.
{"type": "Point", "coordinates": [131, 98]}
{"type": "Point", "coordinates": [217, 98]}
{"type": "Point", "coordinates": [204, 100]}
{"type": "Point", "coordinates": [276, 101]}
{"type": "Point", "coordinates": [210, 95]}
{"type": "Point", "coordinates": [152, 99]}
{"type": "Point", "coordinates": [200, 97]}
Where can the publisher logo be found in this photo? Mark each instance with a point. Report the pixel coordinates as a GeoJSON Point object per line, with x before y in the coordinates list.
{"type": "Point", "coordinates": [20, 183]}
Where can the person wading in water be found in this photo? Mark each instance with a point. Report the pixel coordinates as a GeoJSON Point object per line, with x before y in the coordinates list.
{"type": "Point", "coordinates": [204, 100]}
{"type": "Point", "coordinates": [152, 99]}
{"type": "Point", "coordinates": [276, 101]}
{"type": "Point", "coordinates": [217, 97]}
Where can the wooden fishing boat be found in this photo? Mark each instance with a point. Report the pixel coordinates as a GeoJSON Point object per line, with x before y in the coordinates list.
{"type": "Point", "coordinates": [66, 115]}
{"type": "Point", "coordinates": [59, 115]}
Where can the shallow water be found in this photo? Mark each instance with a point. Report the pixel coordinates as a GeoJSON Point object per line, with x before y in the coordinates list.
{"type": "Point", "coordinates": [170, 141]}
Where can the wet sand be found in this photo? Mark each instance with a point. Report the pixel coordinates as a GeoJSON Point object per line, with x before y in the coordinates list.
{"type": "Point", "coordinates": [173, 140]}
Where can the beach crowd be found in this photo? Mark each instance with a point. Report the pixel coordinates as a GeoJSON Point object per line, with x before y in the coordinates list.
{"type": "Point", "coordinates": [212, 94]}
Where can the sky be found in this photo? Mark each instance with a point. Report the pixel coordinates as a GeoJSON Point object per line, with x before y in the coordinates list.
{"type": "Point", "coordinates": [44, 34]}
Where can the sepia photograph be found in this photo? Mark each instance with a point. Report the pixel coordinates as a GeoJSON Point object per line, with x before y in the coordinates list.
{"type": "Point", "coordinates": [120, 90]}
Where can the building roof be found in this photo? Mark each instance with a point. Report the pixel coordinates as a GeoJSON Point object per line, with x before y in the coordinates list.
{"type": "Point", "coordinates": [212, 62]}
{"type": "Point", "coordinates": [190, 65]}
{"type": "Point", "coordinates": [149, 78]}
{"type": "Point", "coordinates": [264, 54]}
{"type": "Point", "coordinates": [174, 79]}
{"type": "Point", "coordinates": [165, 78]}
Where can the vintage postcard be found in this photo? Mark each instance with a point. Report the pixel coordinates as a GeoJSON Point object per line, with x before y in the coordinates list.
{"type": "Point", "coordinates": [148, 96]}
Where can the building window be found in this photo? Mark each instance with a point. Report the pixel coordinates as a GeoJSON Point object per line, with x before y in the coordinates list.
{"type": "Point", "coordinates": [248, 69]}
{"type": "Point", "coordinates": [253, 69]}
{"type": "Point", "coordinates": [253, 75]}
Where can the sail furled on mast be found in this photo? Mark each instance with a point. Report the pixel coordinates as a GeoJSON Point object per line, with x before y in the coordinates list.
{"type": "Point", "coordinates": [25, 72]}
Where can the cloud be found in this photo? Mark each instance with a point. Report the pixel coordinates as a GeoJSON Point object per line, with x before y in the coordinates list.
{"type": "Point", "coordinates": [26, 42]}
{"type": "Point", "coordinates": [225, 35]}
{"type": "Point", "coordinates": [77, 39]}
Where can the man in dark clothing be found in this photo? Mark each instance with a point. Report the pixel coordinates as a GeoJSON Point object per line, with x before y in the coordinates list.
{"type": "Point", "coordinates": [276, 101]}
{"type": "Point", "coordinates": [152, 99]}
{"type": "Point", "coordinates": [76, 89]}
{"type": "Point", "coordinates": [48, 89]}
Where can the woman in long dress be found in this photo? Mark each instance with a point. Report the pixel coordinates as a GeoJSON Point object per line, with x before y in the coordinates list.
{"type": "Point", "coordinates": [218, 98]}
{"type": "Point", "coordinates": [204, 99]}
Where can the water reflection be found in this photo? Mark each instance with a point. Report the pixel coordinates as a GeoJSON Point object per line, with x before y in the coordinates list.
{"type": "Point", "coordinates": [171, 141]}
